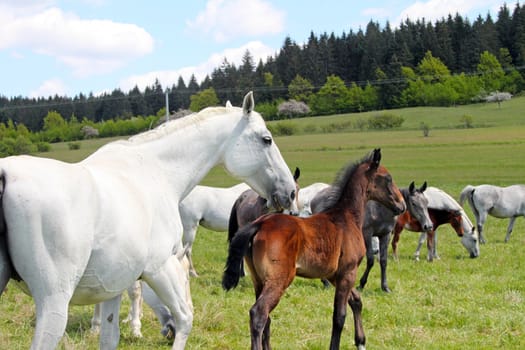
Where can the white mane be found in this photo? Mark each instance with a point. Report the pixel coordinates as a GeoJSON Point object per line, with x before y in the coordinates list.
{"type": "Point", "coordinates": [439, 199]}
{"type": "Point", "coordinates": [178, 124]}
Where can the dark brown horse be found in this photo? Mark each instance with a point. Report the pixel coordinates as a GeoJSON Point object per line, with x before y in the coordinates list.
{"type": "Point", "coordinates": [326, 245]}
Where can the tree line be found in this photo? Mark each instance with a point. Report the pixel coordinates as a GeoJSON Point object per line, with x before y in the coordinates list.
{"type": "Point", "coordinates": [446, 62]}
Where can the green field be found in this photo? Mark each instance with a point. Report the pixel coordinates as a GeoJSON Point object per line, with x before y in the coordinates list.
{"type": "Point", "coordinates": [452, 303]}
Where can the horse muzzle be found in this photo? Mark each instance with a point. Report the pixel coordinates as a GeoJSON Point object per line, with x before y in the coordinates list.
{"type": "Point", "coordinates": [284, 204]}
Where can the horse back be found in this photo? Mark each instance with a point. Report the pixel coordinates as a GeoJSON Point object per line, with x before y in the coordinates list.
{"type": "Point", "coordinates": [310, 247]}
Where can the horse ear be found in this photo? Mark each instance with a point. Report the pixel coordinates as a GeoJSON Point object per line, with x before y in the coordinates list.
{"type": "Point", "coordinates": [423, 187]}
{"type": "Point", "coordinates": [228, 104]}
{"type": "Point", "coordinates": [376, 158]}
{"type": "Point", "coordinates": [296, 174]}
{"type": "Point", "coordinates": [411, 187]}
{"type": "Point", "coordinates": [248, 104]}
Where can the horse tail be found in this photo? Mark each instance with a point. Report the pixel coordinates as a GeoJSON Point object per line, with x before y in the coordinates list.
{"type": "Point", "coordinates": [239, 246]}
{"type": "Point", "coordinates": [466, 193]}
{"type": "Point", "coordinates": [6, 265]}
{"type": "Point", "coordinates": [233, 223]}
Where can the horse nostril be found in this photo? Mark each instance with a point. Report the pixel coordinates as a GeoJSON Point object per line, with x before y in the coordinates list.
{"type": "Point", "coordinates": [292, 195]}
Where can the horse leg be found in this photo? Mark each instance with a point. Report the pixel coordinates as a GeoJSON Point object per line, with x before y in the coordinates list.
{"type": "Point", "coordinates": [435, 250]}
{"type": "Point", "coordinates": [161, 311]}
{"type": "Point", "coordinates": [369, 261]}
{"type": "Point", "coordinates": [422, 239]}
{"type": "Point", "coordinates": [341, 298]}
{"type": "Point", "coordinates": [6, 268]}
{"type": "Point", "coordinates": [260, 319]}
{"type": "Point", "coordinates": [430, 246]}
{"type": "Point", "coordinates": [383, 260]}
{"type": "Point", "coordinates": [188, 239]}
{"type": "Point", "coordinates": [480, 222]}
{"type": "Point", "coordinates": [135, 311]}
{"type": "Point", "coordinates": [395, 240]}
{"type": "Point", "coordinates": [509, 228]}
{"type": "Point", "coordinates": [109, 329]}
{"type": "Point", "coordinates": [51, 319]}
{"type": "Point", "coordinates": [357, 306]}
{"type": "Point", "coordinates": [171, 284]}
{"type": "Point", "coordinates": [95, 320]}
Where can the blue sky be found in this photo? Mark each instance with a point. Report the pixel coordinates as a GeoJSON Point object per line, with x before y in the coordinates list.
{"type": "Point", "coordinates": [68, 47]}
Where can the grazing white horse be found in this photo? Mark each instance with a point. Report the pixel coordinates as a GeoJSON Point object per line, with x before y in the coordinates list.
{"type": "Point", "coordinates": [83, 233]}
{"type": "Point", "coordinates": [500, 202]}
{"type": "Point", "coordinates": [440, 200]}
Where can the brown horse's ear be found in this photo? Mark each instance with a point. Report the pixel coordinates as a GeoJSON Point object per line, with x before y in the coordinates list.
{"type": "Point", "coordinates": [411, 187]}
{"type": "Point", "coordinates": [423, 187]}
{"type": "Point", "coordinates": [296, 174]}
{"type": "Point", "coordinates": [376, 158]}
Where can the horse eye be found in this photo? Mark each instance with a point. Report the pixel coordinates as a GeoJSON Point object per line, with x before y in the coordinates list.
{"type": "Point", "coordinates": [267, 140]}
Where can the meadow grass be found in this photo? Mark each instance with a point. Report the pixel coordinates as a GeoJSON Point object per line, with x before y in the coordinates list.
{"type": "Point", "coordinates": [453, 303]}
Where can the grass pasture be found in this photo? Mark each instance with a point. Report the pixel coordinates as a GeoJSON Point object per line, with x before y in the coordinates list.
{"type": "Point", "coordinates": [452, 303]}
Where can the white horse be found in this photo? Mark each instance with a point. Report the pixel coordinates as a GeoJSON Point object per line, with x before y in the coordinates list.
{"type": "Point", "coordinates": [83, 233]}
{"type": "Point", "coordinates": [500, 202]}
{"type": "Point", "coordinates": [440, 200]}
{"type": "Point", "coordinates": [306, 195]}
{"type": "Point", "coordinates": [209, 207]}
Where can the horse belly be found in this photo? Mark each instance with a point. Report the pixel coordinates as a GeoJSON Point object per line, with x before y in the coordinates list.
{"type": "Point", "coordinates": [315, 266]}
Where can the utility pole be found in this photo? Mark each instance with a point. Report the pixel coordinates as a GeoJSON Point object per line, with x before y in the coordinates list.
{"type": "Point", "coordinates": [167, 107]}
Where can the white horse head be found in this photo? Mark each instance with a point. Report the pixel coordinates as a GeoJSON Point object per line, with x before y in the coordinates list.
{"type": "Point", "coordinates": [254, 157]}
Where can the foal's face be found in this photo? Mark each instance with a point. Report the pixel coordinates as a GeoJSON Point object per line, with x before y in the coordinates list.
{"type": "Point", "coordinates": [382, 189]}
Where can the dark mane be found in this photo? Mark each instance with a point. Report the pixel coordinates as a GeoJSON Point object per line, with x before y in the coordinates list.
{"type": "Point", "coordinates": [337, 191]}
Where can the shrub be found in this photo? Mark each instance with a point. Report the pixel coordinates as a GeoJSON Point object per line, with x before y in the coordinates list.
{"type": "Point", "coordinates": [425, 128]}
{"type": "Point", "coordinates": [43, 146]}
{"type": "Point", "coordinates": [283, 129]}
{"type": "Point", "coordinates": [310, 128]}
{"type": "Point", "coordinates": [337, 127]}
{"type": "Point", "coordinates": [385, 121]}
{"type": "Point", "coordinates": [73, 145]}
{"type": "Point", "coordinates": [498, 97]}
{"type": "Point", "coordinates": [268, 110]}
{"type": "Point", "coordinates": [293, 109]}
{"type": "Point", "coordinates": [361, 124]}
{"type": "Point", "coordinates": [467, 121]}
{"type": "Point", "coordinates": [89, 132]}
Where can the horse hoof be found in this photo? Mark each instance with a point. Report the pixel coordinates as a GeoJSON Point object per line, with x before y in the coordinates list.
{"type": "Point", "coordinates": [386, 290]}
{"type": "Point", "coordinates": [136, 334]}
{"type": "Point", "coordinates": [168, 331]}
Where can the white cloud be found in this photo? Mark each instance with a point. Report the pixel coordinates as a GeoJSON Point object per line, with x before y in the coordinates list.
{"type": "Point", "coordinates": [433, 10]}
{"type": "Point", "coordinates": [375, 12]}
{"type": "Point", "coordinates": [86, 46]}
{"type": "Point", "coordinates": [50, 87]}
{"type": "Point", "coordinates": [227, 19]}
{"type": "Point", "coordinates": [169, 77]}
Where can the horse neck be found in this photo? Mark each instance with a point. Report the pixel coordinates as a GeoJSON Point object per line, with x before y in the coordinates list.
{"type": "Point", "coordinates": [353, 200]}
{"type": "Point", "coordinates": [190, 150]}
